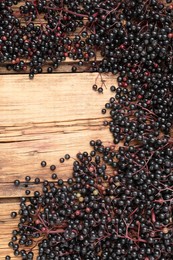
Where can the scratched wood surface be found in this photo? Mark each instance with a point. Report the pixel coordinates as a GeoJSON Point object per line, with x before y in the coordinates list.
{"type": "Point", "coordinates": [47, 117]}
{"type": "Point", "coordinates": [43, 119]}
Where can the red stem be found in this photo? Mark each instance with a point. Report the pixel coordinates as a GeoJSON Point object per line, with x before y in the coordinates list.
{"type": "Point", "coordinates": [67, 11]}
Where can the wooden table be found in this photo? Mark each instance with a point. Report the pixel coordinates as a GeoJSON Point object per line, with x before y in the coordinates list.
{"type": "Point", "coordinates": [43, 119]}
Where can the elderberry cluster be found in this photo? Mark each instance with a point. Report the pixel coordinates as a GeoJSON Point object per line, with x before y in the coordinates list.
{"type": "Point", "coordinates": [103, 214]}
{"type": "Point", "coordinates": [118, 204]}
{"type": "Point", "coordinates": [129, 35]}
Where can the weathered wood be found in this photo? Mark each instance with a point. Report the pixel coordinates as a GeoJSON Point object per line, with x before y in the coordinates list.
{"type": "Point", "coordinates": [9, 191]}
{"type": "Point", "coordinates": [45, 118]}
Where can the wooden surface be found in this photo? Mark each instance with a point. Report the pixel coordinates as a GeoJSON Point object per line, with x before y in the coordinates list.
{"type": "Point", "coordinates": [43, 119]}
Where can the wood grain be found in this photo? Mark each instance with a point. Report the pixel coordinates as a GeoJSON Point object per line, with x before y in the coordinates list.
{"type": "Point", "coordinates": [45, 118]}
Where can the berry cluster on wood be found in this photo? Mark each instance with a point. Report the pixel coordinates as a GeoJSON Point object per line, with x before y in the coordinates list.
{"type": "Point", "coordinates": [118, 204]}
{"type": "Point", "coordinates": [125, 213]}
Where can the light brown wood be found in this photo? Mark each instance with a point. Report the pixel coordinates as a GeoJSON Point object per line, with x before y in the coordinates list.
{"type": "Point", "coordinates": [44, 118]}
{"type": "Point", "coordinates": [8, 190]}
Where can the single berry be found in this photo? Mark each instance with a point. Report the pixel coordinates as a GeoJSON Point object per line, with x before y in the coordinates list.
{"type": "Point", "coordinates": [43, 164]}
{"type": "Point", "coordinates": [13, 214]}
{"type": "Point", "coordinates": [67, 156]}
{"type": "Point", "coordinates": [52, 167]}
{"type": "Point", "coordinates": [16, 183]}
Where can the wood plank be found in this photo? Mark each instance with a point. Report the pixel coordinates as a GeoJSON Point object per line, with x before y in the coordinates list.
{"type": "Point", "coordinates": [44, 118]}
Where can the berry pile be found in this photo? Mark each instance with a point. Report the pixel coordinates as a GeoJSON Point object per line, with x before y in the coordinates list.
{"type": "Point", "coordinates": [98, 214]}
{"type": "Point", "coordinates": [129, 35]}
{"type": "Point", "coordinates": [118, 204]}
